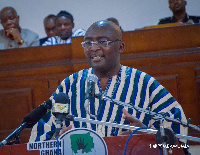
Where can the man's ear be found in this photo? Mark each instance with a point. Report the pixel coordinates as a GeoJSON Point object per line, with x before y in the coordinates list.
{"type": "Point", "coordinates": [72, 25]}
{"type": "Point", "coordinates": [121, 47]}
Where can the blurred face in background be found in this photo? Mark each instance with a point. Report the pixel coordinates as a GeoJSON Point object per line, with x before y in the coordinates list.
{"type": "Point", "coordinates": [50, 26]}
{"type": "Point", "coordinates": [9, 18]}
{"type": "Point", "coordinates": [177, 5]}
{"type": "Point", "coordinates": [64, 27]}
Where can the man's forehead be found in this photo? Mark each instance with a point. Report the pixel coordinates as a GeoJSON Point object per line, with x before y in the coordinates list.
{"type": "Point", "coordinates": [95, 37]}
{"type": "Point", "coordinates": [98, 33]}
{"type": "Point", "coordinates": [7, 13]}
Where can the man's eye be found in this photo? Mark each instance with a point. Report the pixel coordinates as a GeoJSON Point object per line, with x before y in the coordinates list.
{"type": "Point", "coordinates": [103, 42]}
{"type": "Point", "coordinates": [12, 18]}
{"type": "Point", "coordinates": [88, 43]}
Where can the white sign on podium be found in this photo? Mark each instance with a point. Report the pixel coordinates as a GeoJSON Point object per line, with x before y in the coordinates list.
{"type": "Point", "coordinates": [74, 142]}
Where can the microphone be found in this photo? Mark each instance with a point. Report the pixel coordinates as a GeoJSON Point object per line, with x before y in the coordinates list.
{"type": "Point", "coordinates": [92, 79]}
{"type": "Point", "coordinates": [60, 110]}
{"type": "Point", "coordinates": [32, 118]}
{"type": "Point", "coordinates": [90, 92]}
{"type": "Point", "coordinates": [29, 121]}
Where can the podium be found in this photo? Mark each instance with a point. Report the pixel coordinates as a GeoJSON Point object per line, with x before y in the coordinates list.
{"type": "Point", "coordinates": [142, 144]}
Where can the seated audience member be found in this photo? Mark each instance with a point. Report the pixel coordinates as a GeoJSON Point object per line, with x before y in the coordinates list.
{"type": "Point", "coordinates": [13, 36]}
{"type": "Point", "coordinates": [114, 20]}
{"type": "Point", "coordinates": [102, 47]}
{"type": "Point", "coordinates": [64, 26]}
{"type": "Point", "coordinates": [50, 27]}
{"type": "Point", "coordinates": [178, 8]}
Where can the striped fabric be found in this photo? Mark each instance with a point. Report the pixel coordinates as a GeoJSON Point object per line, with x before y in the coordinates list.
{"type": "Point", "coordinates": [129, 86]}
{"type": "Point", "coordinates": [57, 40]}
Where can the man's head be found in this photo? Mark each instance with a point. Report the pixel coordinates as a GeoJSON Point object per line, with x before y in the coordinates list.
{"type": "Point", "coordinates": [104, 56]}
{"type": "Point", "coordinates": [177, 6]}
{"type": "Point", "coordinates": [64, 24]}
{"type": "Point", "coordinates": [50, 25]}
{"type": "Point", "coordinates": [9, 18]}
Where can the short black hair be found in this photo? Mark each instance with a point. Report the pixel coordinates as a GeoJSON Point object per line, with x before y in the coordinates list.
{"type": "Point", "coordinates": [66, 14]}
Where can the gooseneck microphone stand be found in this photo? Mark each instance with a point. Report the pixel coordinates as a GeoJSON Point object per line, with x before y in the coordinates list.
{"type": "Point", "coordinates": [157, 116]}
{"type": "Point", "coordinates": [154, 115]}
{"type": "Point", "coordinates": [14, 134]}
{"type": "Point", "coordinates": [128, 127]}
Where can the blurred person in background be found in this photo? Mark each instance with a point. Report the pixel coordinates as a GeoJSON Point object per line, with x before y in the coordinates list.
{"type": "Point", "coordinates": [64, 26]}
{"type": "Point", "coordinates": [50, 27]}
{"type": "Point", "coordinates": [12, 35]}
{"type": "Point", "coordinates": [178, 8]}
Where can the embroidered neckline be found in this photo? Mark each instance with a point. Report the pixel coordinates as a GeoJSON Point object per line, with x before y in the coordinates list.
{"type": "Point", "coordinates": [118, 80]}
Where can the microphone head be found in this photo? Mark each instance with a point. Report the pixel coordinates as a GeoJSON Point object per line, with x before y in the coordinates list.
{"type": "Point", "coordinates": [33, 117]}
{"type": "Point", "coordinates": [48, 104]}
{"type": "Point", "coordinates": [61, 105]}
{"type": "Point", "coordinates": [93, 78]}
{"type": "Point", "coordinates": [62, 98]}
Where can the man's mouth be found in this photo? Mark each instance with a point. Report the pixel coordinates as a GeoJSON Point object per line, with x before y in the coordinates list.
{"type": "Point", "coordinates": [96, 58]}
{"type": "Point", "coordinates": [10, 27]}
{"type": "Point", "coordinates": [176, 6]}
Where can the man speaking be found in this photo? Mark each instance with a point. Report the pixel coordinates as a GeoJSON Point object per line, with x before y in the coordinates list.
{"type": "Point", "coordinates": [102, 47]}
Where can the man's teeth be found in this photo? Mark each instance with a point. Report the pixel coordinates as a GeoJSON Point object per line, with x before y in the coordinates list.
{"type": "Point", "coordinates": [96, 57]}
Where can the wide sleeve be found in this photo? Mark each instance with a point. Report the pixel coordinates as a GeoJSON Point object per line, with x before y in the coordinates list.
{"type": "Point", "coordinates": [45, 127]}
{"type": "Point", "coordinates": [161, 101]}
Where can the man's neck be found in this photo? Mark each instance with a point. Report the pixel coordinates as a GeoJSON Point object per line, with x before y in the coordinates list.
{"type": "Point", "coordinates": [180, 16]}
{"type": "Point", "coordinates": [107, 74]}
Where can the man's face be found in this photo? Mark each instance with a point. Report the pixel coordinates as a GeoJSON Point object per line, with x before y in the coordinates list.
{"type": "Point", "coordinates": [9, 19]}
{"type": "Point", "coordinates": [50, 27]}
{"type": "Point", "coordinates": [103, 59]}
{"type": "Point", "coordinates": [64, 27]}
{"type": "Point", "coordinates": [177, 5]}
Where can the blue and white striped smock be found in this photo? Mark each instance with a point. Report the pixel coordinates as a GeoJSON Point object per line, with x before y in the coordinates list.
{"type": "Point", "coordinates": [130, 86]}
{"type": "Point", "coordinates": [56, 40]}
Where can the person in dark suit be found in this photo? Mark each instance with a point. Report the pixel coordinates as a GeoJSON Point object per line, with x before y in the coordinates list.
{"type": "Point", "coordinates": [50, 27]}
{"type": "Point", "coordinates": [178, 8]}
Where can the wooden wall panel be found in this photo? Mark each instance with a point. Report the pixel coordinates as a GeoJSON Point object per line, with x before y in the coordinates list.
{"type": "Point", "coordinates": [15, 104]}
{"type": "Point", "coordinates": [160, 39]}
{"type": "Point", "coordinates": [197, 75]}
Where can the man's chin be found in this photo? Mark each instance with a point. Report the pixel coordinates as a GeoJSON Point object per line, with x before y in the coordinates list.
{"type": "Point", "coordinates": [64, 37]}
{"type": "Point", "coordinates": [98, 66]}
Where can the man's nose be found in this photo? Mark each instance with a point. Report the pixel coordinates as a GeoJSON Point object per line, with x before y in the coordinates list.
{"type": "Point", "coordinates": [52, 32]}
{"type": "Point", "coordinates": [63, 26]}
{"type": "Point", "coordinates": [9, 21]}
{"type": "Point", "coordinates": [95, 46]}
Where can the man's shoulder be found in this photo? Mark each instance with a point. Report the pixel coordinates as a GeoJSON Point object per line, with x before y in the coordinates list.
{"type": "Point", "coordinates": [2, 32]}
{"type": "Point", "coordinates": [165, 20]}
{"type": "Point", "coordinates": [79, 74]}
{"type": "Point", "coordinates": [42, 40]}
{"type": "Point", "coordinates": [78, 32]}
{"type": "Point", "coordinates": [52, 41]}
{"type": "Point", "coordinates": [196, 19]}
{"type": "Point", "coordinates": [29, 32]}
